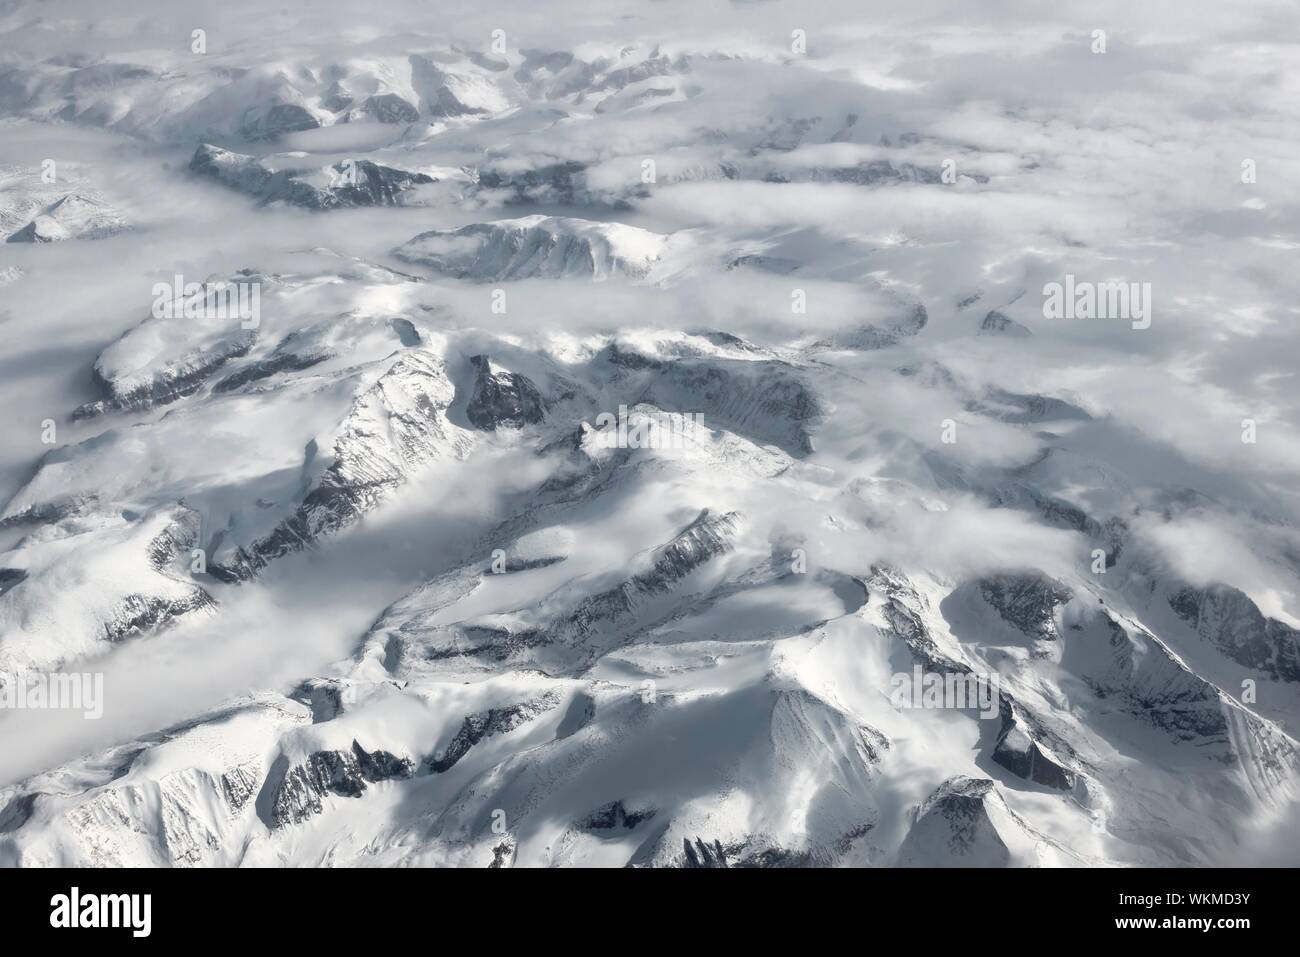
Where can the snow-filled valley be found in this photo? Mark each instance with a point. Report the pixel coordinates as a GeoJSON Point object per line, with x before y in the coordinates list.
{"type": "Point", "coordinates": [478, 436]}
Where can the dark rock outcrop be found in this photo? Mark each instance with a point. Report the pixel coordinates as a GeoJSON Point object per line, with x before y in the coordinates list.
{"type": "Point", "coordinates": [704, 855]}
{"type": "Point", "coordinates": [239, 785]}
{"type": "Point", "coordinates": [342, 773]}
{"type": "Point", "coordinates": [953, 828]}
{"type": "Point", "coordinates": [598, 618]}
{"type": "Point", "coordinates": [485, 724]}
{"type": "Point", "coordinates": [1227, 617]}
{"type": "Point", "coordinates": [547, 247]}
{"type": "Point", "coordinates": [554, 183]}
{"type": "Point", "coordinates": [1027, 602]}
{"type": "Point", "coordinates": [412, 397]}
{"type": "Point", "coordinates": [501, 397]}
{"type": "Point", "coordinates": [10, 578]}
{"type": "Point", "coordinates": [390, 108]}
{"type": "Point", "coordinates": [265, 368]}
{"type": "Point", "coordinates": [47, 513]}
{"type": "Point", "coordinates": [909, 322]}
{"type": "Point", "coordinates": [767, 401]}
{"type": "Point", "coordinates": [352, 183]}
{"type": "Point", "coordinates": [17, 812]}
{"type": "Point", "coordinates": [614, 815]}
{"type": "Point", "coordinates": [138, 614]}
{"type": "Point", "coordinates": [278, 119]}
{"type": "Point", "coordinates": [170, 382]}
{"type": "Point", "coordinates": [1022, 755]}
{"type": "Point", "coordinates": [996, 324]}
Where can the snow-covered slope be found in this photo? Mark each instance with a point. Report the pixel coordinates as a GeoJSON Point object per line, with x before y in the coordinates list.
{"type": "Point", "coordinates": [532, 440]}
{"type": "Point", "coordinates": [347, 183]}
{"type": "Point", "coordinates": [536, 246]}
{"type": "Point", "coordinates": [72, 217]}
{"type": "Point", "coordinates": [43, 205]}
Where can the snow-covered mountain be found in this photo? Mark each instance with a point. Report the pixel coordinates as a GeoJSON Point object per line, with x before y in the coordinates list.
{"type": "Point", "coordinates": [536, 246]}
{"type": "Point", "coordinates": [506, 442]}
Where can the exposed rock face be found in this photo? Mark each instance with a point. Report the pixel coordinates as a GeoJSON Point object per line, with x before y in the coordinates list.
{"type": "Point", "coordinates": [911, 320]}
{"type": "Point", "coordinates": [265, 368]}
{"type": "Point", "coordinates": [326, 772]}
{"type": "Point", "coordinates": [337, 98]}
{"type": "Point", "coordinates": [236, 170]}
{"type": "Point", "coordinates": [1153, 685]}
{"type": "Point", "coordinates": [1022, 755]}
{"type": "Point", "coordinates": [350, 183]}
{"type": "Point", "coordinates": [768, 401]}
{"type": "Point", "coordinates": [187, 811]}
{"type": "Point", "coordinates": [503, 854]}
{"type": "Point", "coordinates": [17, 812]}
{"type": "Point", "coordinates": [554, 73]}
{"type": "Point", "coordinates": [760, 853]}
{"type": "Point", "coordinates": [10, 578]}
{"type": "Point", "coordinates": [164, 358]}
{"type": "Point", "coordinates": [868, 174]}
{"type": "Point", "coordinates": [1059, 514]}
{"type": "Point", "coordinates": [46, 513]}
{"type": "Point", "coordinates": [394, 427]}
{"type": "Point", "coordinates": [806, 741]}
{"type": "Point", "coordinates": [1027, 602]}
{"type": "Point", "coordinates": [780, 265]}
{"type": "Point", "coordinates": [953, 828]}
{"type": "Point", "coordinates": [1022, 744]}
{"type": "Point", "coordinates": [240, 785]}
{"type": "Point", "coordinates": [138, 614]}
{"type": "Point", "coordinates": [710, 535]}
{"type": "Point", "coordinates": [494, 721]}
{"type": "Point", "coordinates": [501, 397]}
{"type": "Point", "coordinates": [342, 773]}
{"type": "Point", "coordinates": [536, 246]}
{"type": "Point", "coordinates": [629, 652]}
{"type": "Point", "coordinates": [1227, 617]}
{"type": "Point", "coordinates": [1021, 409]}
{"type": "Point", "coordinates": [901, 612]}
{"type": "Point", "coordinates": [167, 384]}
{"type": "Point", "coordinates": [73, 217]}
{"type": "Point", "coordinates": [365, 183]}
{"type": "Point", "coordinates": [552, 183]}
{"type": "Point", "coordinates": [596, 619]}
{"type": "Point", "coordinates": [703, 855]}
{"type": "Point", "coordinates": [120, 577]}
{"type": "Point", "coordinates": [277, 119]}
{"type": "Point", "coordinates": [455, 90]}
{"type": "Point", "coordinates": [570, 182]}
{"type": "Point", "coordinates": [390, 108]}
{"type": "Point", "coordinates": [614, 815]}
{"type": "Point", "coordinates": [324, 696]}
{"type": "Point", "coordinates": [381, 765]}
{"type": "Point", "coordinates": [175, 540]}
{"type": "Point", "coordinates": [1017, 408]}
{"type": "Point", "coordinates": [996, 324]}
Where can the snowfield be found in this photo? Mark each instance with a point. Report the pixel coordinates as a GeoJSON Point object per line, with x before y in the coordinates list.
{"type": "Point", "coordinates": [628, 401]}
